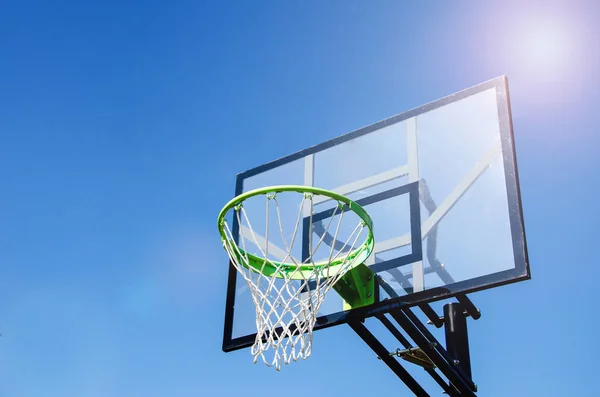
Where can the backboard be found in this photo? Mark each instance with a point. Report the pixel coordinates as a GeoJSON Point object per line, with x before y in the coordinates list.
{"type": "Point", "coordinates": [441, 185]}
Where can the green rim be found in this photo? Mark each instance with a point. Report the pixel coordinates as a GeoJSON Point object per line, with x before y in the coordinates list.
{"type": "Point", "coordinates": [286, 269]}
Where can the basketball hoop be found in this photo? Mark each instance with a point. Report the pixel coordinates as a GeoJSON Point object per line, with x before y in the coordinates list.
{"type": "Point", "coordinates": [287, 292]}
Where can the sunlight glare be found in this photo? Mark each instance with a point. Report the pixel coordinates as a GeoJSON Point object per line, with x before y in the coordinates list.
{"type": "Point", "coordinates": [546, 47]}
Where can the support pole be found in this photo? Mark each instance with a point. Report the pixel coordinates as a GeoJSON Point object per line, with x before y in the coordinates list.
{"type": "Point", "coordinates": [457, 338]}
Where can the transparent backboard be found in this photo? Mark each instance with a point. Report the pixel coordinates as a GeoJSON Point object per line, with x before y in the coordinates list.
{"type": "Point", "coordinates": [440, 183]}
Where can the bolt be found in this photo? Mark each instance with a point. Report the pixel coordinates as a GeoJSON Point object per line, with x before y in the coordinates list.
{"type": "Point", "coordinates": [369, 294]}
{"type": "Point", "coordinates": [456, 362]}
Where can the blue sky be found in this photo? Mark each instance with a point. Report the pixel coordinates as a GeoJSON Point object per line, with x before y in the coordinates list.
{"type": "Point", "coordinates": [122, 127]}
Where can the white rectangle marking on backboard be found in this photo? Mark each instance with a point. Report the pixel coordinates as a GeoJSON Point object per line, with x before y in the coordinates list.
{"type": "Point", "coordinates": [366, 183]}
{"type": "Point", "coordinates": [418, 277]}
{"type": "Point", "coordinates": [412, 149]}
{"type": "Point", "coordinates": [391, 244]}
{"type": "Point", "coordinates": [309, 177]}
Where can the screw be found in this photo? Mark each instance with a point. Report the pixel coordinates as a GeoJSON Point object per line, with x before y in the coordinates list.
{"type": "Point", "coordinates": [456, 362]}
{"type": "Point", "coordinates": [369, 294]}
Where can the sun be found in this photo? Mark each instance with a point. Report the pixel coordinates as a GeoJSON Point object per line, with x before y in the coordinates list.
{"type": "Point", "coordinates": [546, 47]}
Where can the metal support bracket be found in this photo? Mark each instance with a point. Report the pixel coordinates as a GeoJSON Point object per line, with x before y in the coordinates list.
{"type": "Point", "coordinates": [439, 321]}
{"type": "Point", "coordinates": [357, 287]}
{"type": "Point", "coordinates": [414, 355]}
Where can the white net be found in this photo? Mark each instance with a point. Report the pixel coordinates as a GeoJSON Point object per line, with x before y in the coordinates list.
{"type": "Point", "coordinates": [288, 292]}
